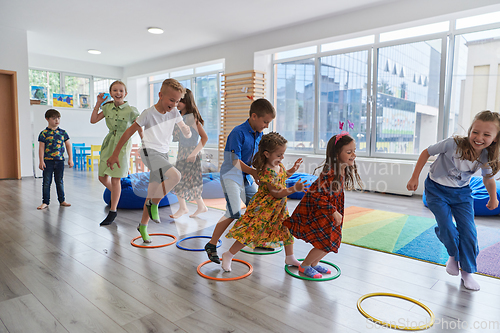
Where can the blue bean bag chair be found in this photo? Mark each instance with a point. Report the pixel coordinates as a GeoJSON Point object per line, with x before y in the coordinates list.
{"type": "Point", "coordinates": [134, 192]}
{"type": "Point", "coordinates": [480, 196]}
{"type": "Point", "coordinates": [295, 178]}
{"type": "Point", "coordinates": [212, 189]}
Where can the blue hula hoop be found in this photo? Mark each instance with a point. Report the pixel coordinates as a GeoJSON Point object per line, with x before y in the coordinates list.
{"type": "Point", "coordinates": [219, 243]}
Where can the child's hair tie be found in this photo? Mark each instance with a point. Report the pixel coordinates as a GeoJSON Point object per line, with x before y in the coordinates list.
{"type": "Point", "coordinates": [343, 133]}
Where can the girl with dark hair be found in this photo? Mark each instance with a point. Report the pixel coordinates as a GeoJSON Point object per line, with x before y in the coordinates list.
{"type": "Point", "coordinates": [319, 215]}
{"type": "Point", "coordinates": [189, 158]}
{"type": "Point", "coordinates": [261, 225]}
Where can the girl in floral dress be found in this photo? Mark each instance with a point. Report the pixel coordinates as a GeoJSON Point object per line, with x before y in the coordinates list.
{"type": "Point", "coordinates": [189, 157]}
{"type": "Point", "coordinates": [261, 225]}
{"type": "Point", "coordinates": [319, 215]}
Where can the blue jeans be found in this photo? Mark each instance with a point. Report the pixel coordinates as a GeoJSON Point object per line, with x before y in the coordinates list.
{"type": "Point", "coordinates": [460, 240]}
{"type": "Point", "coordinates": [56, 168]}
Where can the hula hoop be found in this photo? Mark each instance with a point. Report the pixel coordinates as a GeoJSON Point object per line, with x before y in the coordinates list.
{"type": "Point", "coordinates": [188, 249]}
{"type": "Point", "coordinates": [154, 246]}
{"type": "Point", "coordinates": [313, 279]}
{"type": "Point", "coordinates": [263, 253]}
{"type": "Point", "coordinates": [399, 327]}
{"type": "Point", "coordinates": [250, 270]}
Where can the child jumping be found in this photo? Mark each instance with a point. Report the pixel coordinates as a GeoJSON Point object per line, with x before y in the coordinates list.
{"type": "Point", "coordinates": [319, 215]}
{"type": "Point", "coordinates": [119, 116]}
{"type": "Point", "coordinates": [189, 159]}
{"type": "Point", "coordinates": [51, 155]}
{"type": "Point", "coordinates": [261, 225]}
{"type": "Point", "coordinates": [449, 196]}
{"type": "Point", "coordinates": [237, 177]}
{"type": "Point", "coordinates": [158, 121]}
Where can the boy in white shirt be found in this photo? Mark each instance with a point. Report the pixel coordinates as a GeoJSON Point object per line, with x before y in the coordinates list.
{"type": "Point", "coordinates": [158, 122]}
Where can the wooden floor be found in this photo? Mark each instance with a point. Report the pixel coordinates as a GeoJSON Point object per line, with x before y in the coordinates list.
{"type": "Point", "coordinates": [61, 272]}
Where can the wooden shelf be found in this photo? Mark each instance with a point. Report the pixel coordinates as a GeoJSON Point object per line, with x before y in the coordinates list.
{"type": "Point", "coordinates": [235, 105]}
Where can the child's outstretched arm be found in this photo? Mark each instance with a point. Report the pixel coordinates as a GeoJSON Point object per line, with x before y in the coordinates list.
{"type": "Point", "coordinates": [201, 144]}
{"type": "Point", "coordinates": [278, 194]}
{"type": "Point", "coordinates": [69, 149]}
{"type": "Point", "coordinates": [295, 167]}
{"type": "Point", "coordinates": [422, 159]}
{"type": "Point", "coordinates": [491, 187]}
{"type": "Point", "coordinates": [97, 116]}
{"type": "Point", "coordinates": [126, 135]}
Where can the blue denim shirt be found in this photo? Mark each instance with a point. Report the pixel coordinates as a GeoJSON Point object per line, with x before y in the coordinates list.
{"type": "Point", "coordinates": [242, 144]}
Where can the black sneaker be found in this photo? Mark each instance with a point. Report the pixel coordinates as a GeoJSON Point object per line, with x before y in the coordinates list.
{"type": "Point", "coordinates": [109, 219]}
{"type": "Point", "coordinates": [212, 253]}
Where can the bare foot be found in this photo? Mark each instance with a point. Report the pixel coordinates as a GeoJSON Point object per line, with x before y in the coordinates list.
{"type": "Point", "coordinates": [199, 211]}
{"type": "Point", "coordinates": [179, 213]}
{"type": "Point", "coordinates": [65, 204]}
{"type": "Point", "coordinates": [42, 206]}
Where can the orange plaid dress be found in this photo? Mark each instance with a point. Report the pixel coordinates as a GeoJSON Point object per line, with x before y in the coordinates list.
{"type": "Point", "coordinates": [312, 220]}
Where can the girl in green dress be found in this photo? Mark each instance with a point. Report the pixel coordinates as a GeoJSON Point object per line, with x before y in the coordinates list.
{"type": "Point", "coordinates": [119, 116]}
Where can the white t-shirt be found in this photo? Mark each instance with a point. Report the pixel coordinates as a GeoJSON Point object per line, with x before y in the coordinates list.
{"type": "Point", "coordinates": [158, 128]}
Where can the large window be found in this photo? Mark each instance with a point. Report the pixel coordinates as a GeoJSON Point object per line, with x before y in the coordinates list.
{"type": "Point", "coordinates": [476, 78]}
{"type": "Point", "coordinates": [295, 95]}
{"type": "Point", "coordinates": [343, 96]}
{"type": "Point", "coordinates": [80, 88]}
{"type": "Point", "coordinates": [396, 92]}
{"type": "Point", "coordinates": [408, 79]}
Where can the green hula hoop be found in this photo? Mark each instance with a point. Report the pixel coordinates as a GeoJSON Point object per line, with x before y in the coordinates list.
{"type": "Point", "coordinates": [312, 279]}
{"type": "Point", "coordinates": [263, 253]}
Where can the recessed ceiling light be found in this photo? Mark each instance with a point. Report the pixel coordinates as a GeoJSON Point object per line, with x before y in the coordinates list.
{"type": "Point", "coordinates": [94, 51]}
{"type": "Point", "coordinates": [156, 31]}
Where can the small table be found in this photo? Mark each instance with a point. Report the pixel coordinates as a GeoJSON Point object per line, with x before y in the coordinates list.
{"type": "Point", "coordinates": [81, 154]}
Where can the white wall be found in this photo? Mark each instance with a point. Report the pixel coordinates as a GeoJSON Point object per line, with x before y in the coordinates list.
{"type": "Point", "coordinates": [74, 66]}
{"type": "Point", "coordinates": [14, 57]}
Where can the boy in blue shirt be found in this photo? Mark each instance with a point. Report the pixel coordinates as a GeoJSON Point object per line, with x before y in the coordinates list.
{"type": "Point", "coordinates": [237, 175]}
{"type": "Point", "coordinates": [51, 154]}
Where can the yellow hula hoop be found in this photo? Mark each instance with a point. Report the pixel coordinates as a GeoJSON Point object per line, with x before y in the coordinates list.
{"type": "Point", "coordinates": [399, 327]}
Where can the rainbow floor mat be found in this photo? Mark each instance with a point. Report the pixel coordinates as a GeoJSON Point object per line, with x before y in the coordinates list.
{"type": "Point", "coordinates": [414, 237]}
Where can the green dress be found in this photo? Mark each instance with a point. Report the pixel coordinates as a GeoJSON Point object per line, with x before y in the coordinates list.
{"type": "Point", "coordinates": [118, 119]}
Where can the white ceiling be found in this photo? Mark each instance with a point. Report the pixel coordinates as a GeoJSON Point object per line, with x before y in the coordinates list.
{"type": "Point", "coordinates": [118, 28]}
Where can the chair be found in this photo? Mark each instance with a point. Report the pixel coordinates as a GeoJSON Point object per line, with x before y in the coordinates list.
{"type": "Point", "coordinates": [135, 147]}
{"type": "Point", "coordinates": [77, 158]}
{"type": "Point", "coordinates": [139, 165]}
{"type": "Point", "coordinates": [92, 156]}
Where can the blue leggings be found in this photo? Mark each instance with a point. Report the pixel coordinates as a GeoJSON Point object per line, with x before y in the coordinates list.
{"type": "Point", "coordinates": [461, 239]}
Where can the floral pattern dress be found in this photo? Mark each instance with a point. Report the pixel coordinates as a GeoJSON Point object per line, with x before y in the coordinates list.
{"type": "Point", "coordinates": [312, 220]}
{"type": "Point", "coordinates": [262, 223]}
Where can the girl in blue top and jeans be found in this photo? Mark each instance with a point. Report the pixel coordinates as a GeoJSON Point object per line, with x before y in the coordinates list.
{"type": "Point", "coordinates": [448, 193]}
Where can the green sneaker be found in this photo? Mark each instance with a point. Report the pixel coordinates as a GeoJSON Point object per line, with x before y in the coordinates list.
{"type": "Point", "coordinates": [143, 229]}
{"type": "Point", "coordinates": [153, 211]}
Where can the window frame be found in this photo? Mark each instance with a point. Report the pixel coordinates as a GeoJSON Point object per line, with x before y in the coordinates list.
{"type": "Point", "coordinates": [62, 86]}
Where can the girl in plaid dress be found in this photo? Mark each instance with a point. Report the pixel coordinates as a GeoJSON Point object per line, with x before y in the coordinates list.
{"type": "Point", "coordinates": [319, 215]}
{"type": "Point", "coordinates": [261, 225]}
